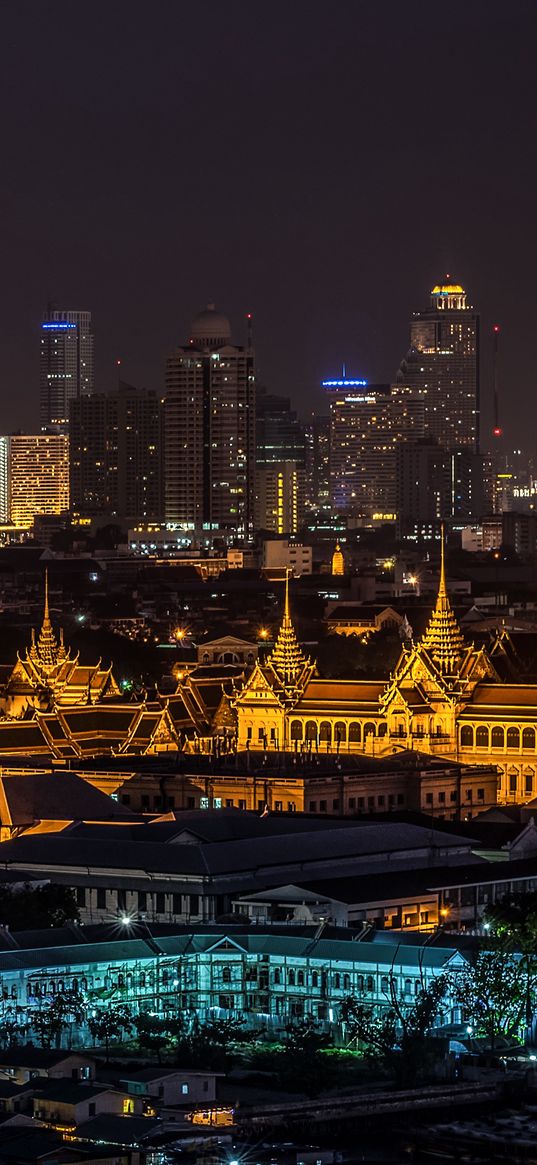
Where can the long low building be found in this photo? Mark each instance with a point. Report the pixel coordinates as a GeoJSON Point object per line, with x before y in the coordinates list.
{"type": "Point", "coordinates": [264, 976]}
{"type": "Point", "coordinates": [200, 867]}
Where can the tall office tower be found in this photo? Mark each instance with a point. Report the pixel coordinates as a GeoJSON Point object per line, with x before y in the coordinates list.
{"type": "Point", "coordinates": [317, 463]}
{"type": "Point", "coordinates": [423, 488]}
{"type": "Point", "coordinates": [467, 499]}
{"type": "Point", "coordinates": [38, 476]}
{"type": "Point", "coordinates": [366, 423]}
{"type": "Point", "coordinates": [443, 363]}
{"type": "Point", "coordinates": [279, 502]}
{"type": "Point", "coordinates": [4, 480]}
{"type": "Point", "coordinates": [66, 363]}
{"type": "Point", "coordinates": [209, 429]}
{"type": "Point", "coordinates": [278, 432]}
{"type": "Point", "coordinates": [115, 444]}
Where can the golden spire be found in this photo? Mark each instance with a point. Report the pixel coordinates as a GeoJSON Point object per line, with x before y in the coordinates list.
{"type": "Point", "coordinates": [338, 561]}
{"type": "Point", "coordinates": [287, 658]}
{"type": "Point", "coordinates": [443, 639]}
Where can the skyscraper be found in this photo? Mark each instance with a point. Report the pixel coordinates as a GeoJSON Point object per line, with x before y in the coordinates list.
{"type": "Point", "coordinates": [366, 423]}
{"type": "Point", "coordinates": [38, 476]}
{"type": "Point", "coordinates": [66, 363]}
{"type": "Point", "coordinates": [443, 364]}
{"type": "Point", "coordinates": [317, 463]}
{"type": "Point", "coordinates": [115, 442]}
{"type": "Point", "coordinates": [209, 429]}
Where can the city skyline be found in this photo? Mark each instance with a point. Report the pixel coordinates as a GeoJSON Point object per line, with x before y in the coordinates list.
{"type": "Point", "coordinates": [353, 159]}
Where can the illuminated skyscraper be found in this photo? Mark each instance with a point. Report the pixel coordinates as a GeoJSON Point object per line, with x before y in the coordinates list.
{"type": "Point", "coordinates": [66, 364]}
{"type": "Point", "coordinates": [38, 476]}
{"type": "Point", "coordinates": [209, 429]}
{"type": "Point", "coordinates": [443, 364]}
{"type": "Point", "coordinates": [366, 423]}
{"type": "Point", "coordinates": [280, 497]}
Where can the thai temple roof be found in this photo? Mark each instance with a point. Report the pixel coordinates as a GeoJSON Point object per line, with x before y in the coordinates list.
{"type": "Point", "coordinates": [47, 653]}
{"type": "Point", "coordinates": [287, 659]}
{"type": "Point", "coordinates": [443, 638]}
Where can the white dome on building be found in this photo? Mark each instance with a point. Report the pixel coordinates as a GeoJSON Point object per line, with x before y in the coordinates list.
{"type": "Point", "coordinates": [210, 328]}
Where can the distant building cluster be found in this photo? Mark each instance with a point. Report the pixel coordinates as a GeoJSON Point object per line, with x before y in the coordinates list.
{"type": "Point", "coordinates": [217, 454]}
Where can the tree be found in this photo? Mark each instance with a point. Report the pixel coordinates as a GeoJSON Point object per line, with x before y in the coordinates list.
{"type": "Point", "coordinates": [400, 1036]}
{"type": "Point", "coordinates": [54, 1018]}
{"type": "Point", "coordinates": [11, 1028]}
{"type": "Point", "coordinates": [29, 908]}
{"type": "Point", "coordinates": [513, 921]}
{"type": "Point", "coordinates": [155, 1033]}
{"type": "Point", "coordinates": [110, 1023]}
{"type": "Point", "coordinates": [494, 993]}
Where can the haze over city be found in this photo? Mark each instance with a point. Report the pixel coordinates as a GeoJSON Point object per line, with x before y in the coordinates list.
{"type": "Point", "coordinates": [319, 166]}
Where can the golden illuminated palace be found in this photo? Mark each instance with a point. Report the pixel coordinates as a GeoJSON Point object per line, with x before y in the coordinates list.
{"type": "Point", "coordinates": [444, 697]}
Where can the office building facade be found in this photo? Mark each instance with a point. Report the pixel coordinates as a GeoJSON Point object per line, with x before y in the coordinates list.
{"type": "Point", "coordinates": [38, 476]}
{"type": "Point", "coordinates": [66, 364]}
{"type": "Point", "coordinates": [279, 497]}
{"type": "Point", "coordinates": [317, 463]}
{"type": "Point", "coordinates": [116, 454]}
{"type": "Point", "coordinates": [443, 364]}
{"type": "Point", "coordinates": [366, 423]}
{"type": "Point", "coordinates": [209, 429]}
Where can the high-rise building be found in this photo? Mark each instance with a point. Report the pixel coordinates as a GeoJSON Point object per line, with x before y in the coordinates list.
{"type": "Point", "coordinates": [366, 423]}
{"type": "Point", "coordinates": [278, 433]}
{"type": "Point", "coordinates": [423, 488]}
{"type": "Point", "coordinates": [317, 463]}
{"type": "Point", "coordinates": [209, 429]}
{"type": "Point", "coordinates": [38, 476]}
{"type": "Point", "coordinates": [66, 363]}
{"type": "Point", "coordinates": [4, 480]}
{"type": "Point", "coordinates": [116, 454]}
{"type": "Point", "coordinates": [279, 497]}
{"type": "Point", "coordinates": [443, 364]}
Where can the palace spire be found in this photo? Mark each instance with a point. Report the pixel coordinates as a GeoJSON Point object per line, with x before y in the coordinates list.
{"type": "Point", "coordinates": [443, 639]}
{"type": "Point", "coordinates": [47, 652]}
{"type": "Point", "coordinates": [287, 659]}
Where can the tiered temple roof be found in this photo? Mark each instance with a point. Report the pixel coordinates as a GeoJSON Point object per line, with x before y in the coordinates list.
{"type": "Point", "coordinates": [287, 659]}
{"type": "Point", "coordinates": [443, 639]}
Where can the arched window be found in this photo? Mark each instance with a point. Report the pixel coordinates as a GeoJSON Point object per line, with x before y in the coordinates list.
{"type": "Point", "coordinates": [359, 982]}
{"type": "Point", "coordinates": [142, 979]}
{"type": "Point", "coordinates": [325, 732]}
{"type": "Point", "coordinates": [296, 730]}
{"type": "Point", "coordinates": [513, 738]}
{"type": "Point", "coordinates": [497, 738]}
{"type": "Point", "coordinates": [528, 738]}
{"type": "Point", "coordinates": [311, 730]}
{"type": "Point", "coordinates": [384, 984]}
{"type": "Point", "coordinates": [346, 982]}
{"type": "Point", "coordinates": [337, 980]}
{"type": "Point", "coordinates": [314, 979]}
{"type": "Point", "coordinates": [52, 987]}
{"type": "Point", "coordinates": [340, 732]}
{"type": "Point", "coordinates": [369, 730]}
{"type": "Point", "coordinates": [369, 985]}
{"type": "Point", "coordinates": [383, 728]}
{"type": "Point", "coordinates": [291, 978]}
{"type": "Point", "coordinates": [75, 983]}
{"type": "Point", "coordinates": [84, 985]}
{"type": "Point", "coordinates": [355, 733]}
{"type": "Point", "coordinates": [482, 737]}
{"type": "Point", "coordinates": [300, 978]}
{"type": "Point", "coordinates": [226, 974]}
{"type": "Point", "coordinates": [14, 992]}
{"type": "Point", "coordinates": [277, 975]}
{"type": "Point", "coordinates": [467, 736]}
{"type": "Point", "coordinates": [408, 986]}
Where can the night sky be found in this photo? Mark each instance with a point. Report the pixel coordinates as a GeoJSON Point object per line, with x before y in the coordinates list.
{"type": "Point", "coordinates": [318, 164]}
